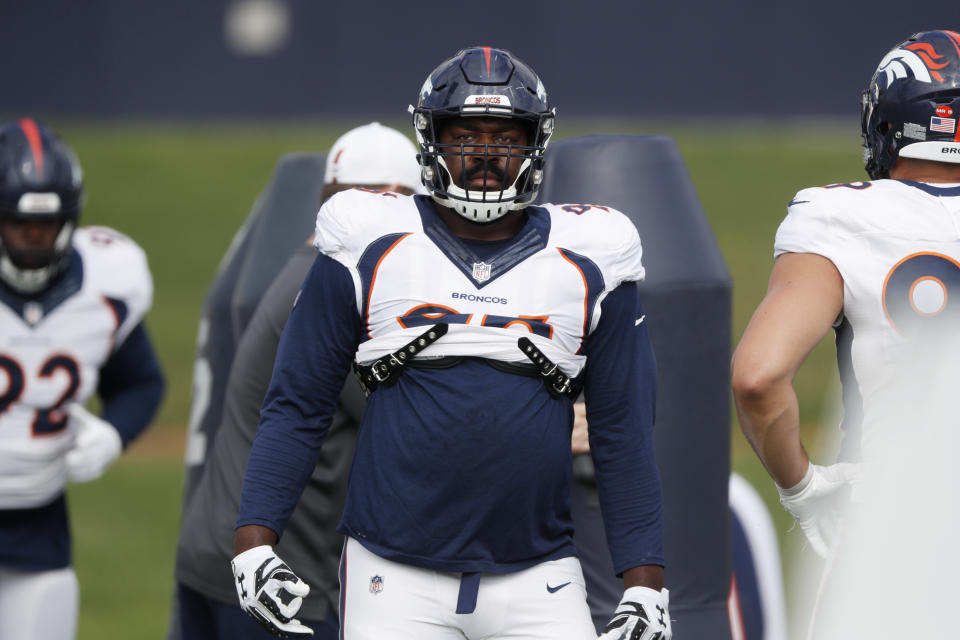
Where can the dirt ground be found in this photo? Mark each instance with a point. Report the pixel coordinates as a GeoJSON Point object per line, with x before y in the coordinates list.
{"type": "Point", "coordinates": [160, 442]}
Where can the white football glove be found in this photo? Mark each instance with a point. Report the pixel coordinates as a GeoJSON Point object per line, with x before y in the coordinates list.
{"type": "Point", "coordinates": [270, 592]}
{"type": "Point", "coordinates": [97, 445]}
{"type": "Point", "coordinates": [820, 501]}
{"type": "Point", "coordinates": [641, 615]}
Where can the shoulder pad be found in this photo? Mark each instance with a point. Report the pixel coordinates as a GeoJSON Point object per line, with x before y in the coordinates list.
{"type": "Point", "coordinates": [350, 220]}
{"type": "Point", "coordinates": [603, 234]}
{"type": "Point", "coordinates": [116, 267]}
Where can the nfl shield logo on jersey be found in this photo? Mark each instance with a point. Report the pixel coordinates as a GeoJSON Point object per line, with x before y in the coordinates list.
{"type": "Point", "coordinates": [481, 271]}
{"type": "Point", "coordinates": [32, 312]}
{"type": "Point", "coordinates": [376, 584]}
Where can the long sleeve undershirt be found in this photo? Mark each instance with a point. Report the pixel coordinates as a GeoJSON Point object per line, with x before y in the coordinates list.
{"type": "Point", "coordinates": [131, 385]}
{"type": "Point", "coordinates": [313, 358]}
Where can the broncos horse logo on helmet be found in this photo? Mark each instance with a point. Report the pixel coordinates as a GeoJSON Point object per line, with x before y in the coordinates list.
{"type": "Point", "coordinates": [40, 181]}
{"type": "Point", "coordinates": [482, 81]}
{"type": "Point", "coordinates": [912, 104]}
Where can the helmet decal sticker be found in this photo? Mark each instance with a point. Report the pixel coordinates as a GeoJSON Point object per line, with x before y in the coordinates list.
{"type": "Point", "coordinates": [915, 131]}
{"type": "Point", "coordinates": [930, 57]}
{"type": "Point", "coordinates": [500, 101]}
{"type": "Point", "coordinates": [944, 125]}
{"type": "Point", "coordinates": [903, 63]}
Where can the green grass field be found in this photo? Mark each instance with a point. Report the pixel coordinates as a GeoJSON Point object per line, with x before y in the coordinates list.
{"type": "Point", "coordinates": [181, 190]}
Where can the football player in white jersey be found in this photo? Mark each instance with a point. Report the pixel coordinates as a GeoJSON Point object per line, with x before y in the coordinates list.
{"type": "Point", "coordinates": [878, 262]}
{"type": "Point", "coordinates": [457, 515]}
{"type": "Point", "coordinates": [72, 303]}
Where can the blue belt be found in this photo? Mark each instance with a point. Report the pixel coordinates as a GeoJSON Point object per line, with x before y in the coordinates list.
{"type": "Point", "coordinates": [469, 588]}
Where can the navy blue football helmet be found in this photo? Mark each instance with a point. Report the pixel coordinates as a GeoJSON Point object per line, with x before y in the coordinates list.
{"type": "Point", "coordinates": [40, 181]}
{"type": "Point", "coordinates": [482, 81]}
{"type": "Point", "coordinates": [912, 105]}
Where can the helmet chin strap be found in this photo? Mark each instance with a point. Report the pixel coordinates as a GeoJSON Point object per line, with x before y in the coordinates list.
{"type": "Point", "coordinates": [28, 281]}
{"type": "Point", "coordinates": [479, 206]}
{"type": "Point", "coordinates": [31, 281]}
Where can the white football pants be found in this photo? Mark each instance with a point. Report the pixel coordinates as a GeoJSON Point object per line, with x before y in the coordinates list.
{"type": "Point", "coordinates": [38, 605]}
{"type": "Point", "coordinates": [384, 599]}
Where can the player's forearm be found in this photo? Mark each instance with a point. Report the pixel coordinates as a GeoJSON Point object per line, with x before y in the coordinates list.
{"type": "Point", "coordinates": [770, 419]}
{"type": "Point", "coordinates": [131, 385]}
{"type": "Point", "coordinates": [649, 575]}
{"type": "Point", "coordinates": [803, 300]}
{"type": "Point", "coordinates": [250, 536]}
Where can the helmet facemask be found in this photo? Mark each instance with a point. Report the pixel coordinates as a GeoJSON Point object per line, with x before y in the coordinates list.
{"type": "Point", "coordinates": [488, 204]}
{"type": "Point", "coordinates": [872, 134]}
{"type": "Point", "coordinates": [29, 269]}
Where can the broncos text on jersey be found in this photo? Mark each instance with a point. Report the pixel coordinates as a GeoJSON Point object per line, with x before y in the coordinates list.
{"type": "Point", "coordinates": [411, 272]}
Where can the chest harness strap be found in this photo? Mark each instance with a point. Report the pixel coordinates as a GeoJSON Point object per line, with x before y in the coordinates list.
{"type": "Point", "coordinates": [386, 371]}
{"type": "Point", "coordinates": [558, 383]}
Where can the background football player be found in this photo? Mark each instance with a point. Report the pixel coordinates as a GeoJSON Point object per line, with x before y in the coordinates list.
{"type": "Point", "coordinates": [72, 303]}
{"type": "Point", "coordinates": [878, 262]}
{"type": "Point", "coordinates": [457, 510]}
{"type": "Point", "coordinates": [371, 157]}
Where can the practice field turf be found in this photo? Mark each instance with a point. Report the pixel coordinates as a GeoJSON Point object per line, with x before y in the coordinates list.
{"type": "Point", "coordinates": [181, 190]}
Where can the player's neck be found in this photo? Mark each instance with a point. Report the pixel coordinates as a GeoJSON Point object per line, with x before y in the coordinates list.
{"type": "Point", "coordinates": [925, 171]}
{"type": "Point", "coordinates": [502, 229]}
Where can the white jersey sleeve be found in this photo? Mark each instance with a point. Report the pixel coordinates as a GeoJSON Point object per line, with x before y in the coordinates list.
{"type": "Point", "coordinates": [117, 267]}
{"type": "Point", "coordinates": [812, 225]}
{"type": "Point", "coordinates": [826, 220]}
{"type": "Point", "coordinates": [608, 237]}
{"type": "Point", "coordinates": [349, 219]}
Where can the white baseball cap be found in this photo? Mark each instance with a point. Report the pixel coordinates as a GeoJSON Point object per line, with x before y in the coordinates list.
{"type": "Point", "coordinates": [373, 154]}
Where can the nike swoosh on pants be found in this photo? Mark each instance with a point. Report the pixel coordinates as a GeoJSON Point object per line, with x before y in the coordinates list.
{"type": "Point", "coordinates": [556, 588]}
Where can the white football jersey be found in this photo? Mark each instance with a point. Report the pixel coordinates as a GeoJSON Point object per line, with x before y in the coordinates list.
{"type": "Point", "coordinates": [897, 246]}
{"type": "Point", "coordinates": [51, 352]}
{"type": "Point", "coordinates": [411, 272]}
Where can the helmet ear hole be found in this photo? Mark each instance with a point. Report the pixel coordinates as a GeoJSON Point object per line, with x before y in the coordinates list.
{"type": "Point", "coordinates": [883, 128]}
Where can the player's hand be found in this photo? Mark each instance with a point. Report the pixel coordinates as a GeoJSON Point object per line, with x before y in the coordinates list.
{"type": "Point", "coordinates": [641, 615]}
{"type": "Point", "coordinates": [96, 447]}
{"type": "Point", "coordinates": [270, 592]}
{"type": "Point", "coordinates": [819, 502]}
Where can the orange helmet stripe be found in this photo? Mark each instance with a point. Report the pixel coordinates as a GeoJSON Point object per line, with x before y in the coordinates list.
{"type": "Point", "coordinates": [32, 134]}
{"type": "Point", "coordinates": [955, 37]}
